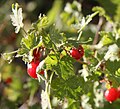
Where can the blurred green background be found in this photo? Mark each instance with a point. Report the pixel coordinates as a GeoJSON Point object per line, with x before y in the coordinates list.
{"type": "Point", "coordinates": [17, 89]}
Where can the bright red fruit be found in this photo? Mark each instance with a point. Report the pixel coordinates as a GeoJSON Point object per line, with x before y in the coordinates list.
{"type": "Point", "coordinates": [81, 50]}
{"type": "Point", "coordinates": [111, 94]}
{"type": "Point", "coordinates": [77, 53]}
{"type": "Point", "coordinates": [31, 69]}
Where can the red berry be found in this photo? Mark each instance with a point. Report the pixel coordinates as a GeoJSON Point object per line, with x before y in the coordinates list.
{"type": "Point", "coordinates": [81, 50]}
{"type": "Point", "coordinates": [36, 54]}
{"type": "Point", "coordinates": [77, 53]}
{"type": "Point", "coordinates": [31, 68]}
{"type": "Point", "coordinates": [8, 80]}
{"type": "Point", "coordinates": [111, 94]}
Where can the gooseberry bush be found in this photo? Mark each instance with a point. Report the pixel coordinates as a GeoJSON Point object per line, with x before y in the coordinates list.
{"type": "Point", "coordinates": [51, 52]}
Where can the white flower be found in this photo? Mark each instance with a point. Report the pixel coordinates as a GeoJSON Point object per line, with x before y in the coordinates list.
{"type": "Point", "coordinates": [84, 102]}
{"type": "Point", "coordinates": [84, 72]}
{"type": "Point", "coordinates": [98, 95]}
{"type": "Point", "coordinates": [17, 17]}
{"type": "Point", "coordinates": [68, 8]}
{"type": "Point", "coordinates": [112, 53]}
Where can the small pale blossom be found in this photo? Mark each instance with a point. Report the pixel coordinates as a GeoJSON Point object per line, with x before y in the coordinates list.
{"type": "Point", "coordinates": [84, 102]}
{"type": "Point", "coordinates": [112, 53]}
{"type": "Point", "coordinates": [98, 95]}
{"type": "Point", "coordinates": [83, 21]}
{"type": "Point", "coordinates": [68, 8]}
{"type": "Point", "coordinates": [17, 17]}
{"type": "Point", "coordinates": [84, 72]}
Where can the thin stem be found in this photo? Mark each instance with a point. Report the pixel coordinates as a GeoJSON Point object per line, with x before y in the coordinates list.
{"type": "Point", "coordinates": [48, 95]}
{"type": "Point", "coordinates": [96, 38]}
{"type": "Point", "coordinates": [99, 63]}
{"type": "Point", "coordinates": [50, 81]}
{"type": "Point", "coordinates": [12, 52]}
{"type": "Point", "coordinates": [41, 77]}
{"type": "Point", "coordinates": [86, 23]}
{"type": "Point", "coordinates": [47, 90]}
{"type": "Point", "coordinates": [79, 36]}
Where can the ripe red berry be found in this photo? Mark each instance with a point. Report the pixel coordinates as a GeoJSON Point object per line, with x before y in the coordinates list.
{"type": "Point", "coordinates": [31, 69]}
{"type": "Point", "coordinates": [81, 50]}
{"type": "Point", "coordinates": [111, 94]}
{"type": "Point", "coordinates": [77, 53]}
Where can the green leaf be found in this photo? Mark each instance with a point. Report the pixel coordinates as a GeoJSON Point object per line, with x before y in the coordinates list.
{"type": "Point", "coordinates": [99, 9]}
{"type": "Point", "coordinates": [66, 67]}
{"type": "Point", "coordinates": [72, 104]}
{"type": "Point", "coordinates": [41, 23]}
{"type": "Point", "coordinates": [22, 51]}
{"type": "Point", "coordinates": [112, 66]}
{"type": "Point", "coordinates": [107, 38]}
{"type": "Point", "coordinates": [55, 36]}
{"type": "Point", "coordinates": [31, 41]}
{"type": "Point", "coordinates": [46, 39]}
{"type": "Point", "coordinates": [118, 72]}
{"type": "Point", "coordinates": [118, 42]}
{"type": "Point", "coordinates": [51, 60]}
{"type": "Point", "coordinates": [70, 88]}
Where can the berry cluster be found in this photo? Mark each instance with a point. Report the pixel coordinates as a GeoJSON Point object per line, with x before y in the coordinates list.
{"type": "Point", "coordinates": [77, 53]}
{"type": "Point", "coordinates": [112, 94]}
{"type": "Point", "coordinates": [31, 68]}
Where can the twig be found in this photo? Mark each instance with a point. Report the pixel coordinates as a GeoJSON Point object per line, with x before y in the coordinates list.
{"type": "Point", "coordinates": [99, 63]}
{"type": "Point", "coordinates": [96, 38]}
